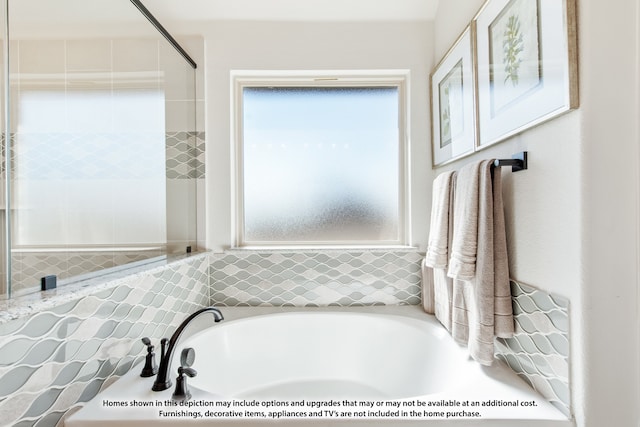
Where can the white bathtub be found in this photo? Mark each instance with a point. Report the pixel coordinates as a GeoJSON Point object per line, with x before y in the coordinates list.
{"type": "Point", "coordinates": [334, 354]}
{"type": "Point", "coordinates": [326, 355]}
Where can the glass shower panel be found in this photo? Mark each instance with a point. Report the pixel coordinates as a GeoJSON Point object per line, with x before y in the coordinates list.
{"type": "Point", "coordinates": [184, 150]}
{"type": "Point", "coordinates": [91, 88]}
{"type": "Point", "coordinates": [4, 254]}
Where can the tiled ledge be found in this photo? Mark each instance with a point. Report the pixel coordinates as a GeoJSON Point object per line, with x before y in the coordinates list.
{"type": "Point", "coordinates": [25, 305]}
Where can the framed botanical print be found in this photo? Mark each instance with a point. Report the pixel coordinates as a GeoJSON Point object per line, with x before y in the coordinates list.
{"type": "Point", "coordinates": [453, 121]}
{"type": "Point", "coordinates": [526, 65]}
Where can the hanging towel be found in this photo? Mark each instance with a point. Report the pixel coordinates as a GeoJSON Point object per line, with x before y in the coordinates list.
{"type": "Point", "coordinates": [443, 298]}
{"type": "Point", "coordinates": [481, 294]}
{"type": "Point", "coordinates": [438, 249]}
{"type": "Point", "coordinates": [503, 308]}
{"type": "Point", "coordinates": [428, 292]}
{"type": "Point", "coordinates": [437, 294]}
{"type": "Point", "coordinates": [437, 287]}
{"type": "Point", "coordinates": [464, 245]}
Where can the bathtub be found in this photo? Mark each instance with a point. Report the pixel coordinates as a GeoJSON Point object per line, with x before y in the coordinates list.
{"type": "Point", "coordinates": [336, 366]}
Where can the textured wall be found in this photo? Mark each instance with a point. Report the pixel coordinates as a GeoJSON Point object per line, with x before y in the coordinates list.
{"type": "Point", "coordinates": [316, 278]}
{"type": "Point", "coordinates": [56, 359]}
{"type": "Point", "coordinates": [185, 155]}
{"type": "Point", "coordinates": [539, 350]}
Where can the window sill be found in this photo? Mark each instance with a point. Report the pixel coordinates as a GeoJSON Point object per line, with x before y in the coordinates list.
{"type": "Point", "coordinates": [327, 248]}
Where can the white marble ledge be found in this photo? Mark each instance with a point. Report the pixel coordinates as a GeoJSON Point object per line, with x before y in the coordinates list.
{"type": "Point", "coordinates": [24, 305]}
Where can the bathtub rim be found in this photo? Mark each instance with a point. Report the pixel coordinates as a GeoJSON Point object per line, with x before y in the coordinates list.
{"type": "Point", "coordinates": [415, 312]}
{"type": "Point", "coordinates": [421, 330]}
{"type": "Point", "coordinates": [131, 382]}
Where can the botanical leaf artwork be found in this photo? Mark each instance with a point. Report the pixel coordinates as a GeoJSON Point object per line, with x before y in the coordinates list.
{"type": "Point", "coordinates": [515, 54]}
{"type": "Point", "coordinates": [513, 45]}
{"type": "Point", "coordinates": [453, 103]}
{"type": "Point", "coordinates": [451, 106]}
{"type": "Point", "coordinates": [446, 119]}
{"type": "Point", "coordinates": [526, 65]}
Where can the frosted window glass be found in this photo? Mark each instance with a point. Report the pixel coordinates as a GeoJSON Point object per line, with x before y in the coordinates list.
{"type": "Point", "coordinates": [321, 164]}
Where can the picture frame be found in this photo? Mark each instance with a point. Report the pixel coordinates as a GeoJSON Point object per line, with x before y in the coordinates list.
{"type": "Point", "coordinates": [453, 110]}
{"type": "Point", "coordinates": [526, 65]}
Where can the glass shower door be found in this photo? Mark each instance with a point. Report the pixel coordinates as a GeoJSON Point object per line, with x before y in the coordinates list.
{"type": "Point", "coordinates": [100, 157]}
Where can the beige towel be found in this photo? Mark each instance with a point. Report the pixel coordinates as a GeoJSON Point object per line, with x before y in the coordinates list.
{"type": "Point", "coordinates": [437, 295]}
{"type": "Point", "coordinates": [482, 306]}
{"type": "Point", "coordinates": [464, 245]}
{"type": "Point", "coordinates": [503, 307]}
{"type": "Point", "coordinates": [443, 298]}
{"type": "Point", "coordinates": [438, 249]}
{"type": "Point", "coordinates": [428, 295]}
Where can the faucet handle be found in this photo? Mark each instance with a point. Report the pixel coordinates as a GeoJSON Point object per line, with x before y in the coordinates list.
{"type": "Point", "coordinates": [150, 367]}
{"type": "Point", "coordinates": [187, 358]}
{"type": "Point", "coordinates": [182, 393]}
{"type": "Point", "coordinates": [190, 372]}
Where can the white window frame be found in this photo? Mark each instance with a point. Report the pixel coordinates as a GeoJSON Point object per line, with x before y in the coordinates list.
{"type": "Point", "coordinates": [367, 78]}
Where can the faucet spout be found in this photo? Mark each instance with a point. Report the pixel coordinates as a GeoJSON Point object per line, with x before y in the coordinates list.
{"type": "Point", "coordinates": [163, 378]}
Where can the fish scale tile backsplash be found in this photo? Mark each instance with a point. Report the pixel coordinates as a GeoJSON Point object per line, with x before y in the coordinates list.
{"type": "Point", "coordinates": [342, 278]}
{"type": "Point", "coordinates": [54, 360]}
{"type": "Point", "coordinates": [539, 350]}
{"type": "Point", "coordinates": [185, 155]}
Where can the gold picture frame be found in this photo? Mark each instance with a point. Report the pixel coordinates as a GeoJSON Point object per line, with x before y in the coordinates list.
{"type": "Point", "coordinates": [453, 116]}
{"type": "Point", "coordinates": [526, 56]}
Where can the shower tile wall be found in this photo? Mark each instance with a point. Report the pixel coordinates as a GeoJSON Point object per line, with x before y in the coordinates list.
{"type": "Point", "coordinates": [185, 176]}
{"type": "Point", "coordinates": [54, 360]}
{"type": "Point", "coordinates": [185, 155]}
{"type": "Point", "coordinates": [539, 351]}
{"type": "Point", "coordinates": [343, 278]}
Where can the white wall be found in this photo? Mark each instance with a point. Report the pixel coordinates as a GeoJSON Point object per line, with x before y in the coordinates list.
{"type": "Point", "coordinates": [296, 46]}
{"type": "Point", "coordinates": [573, 216]}
{"type": "Point", "coordinates": [610, 139]}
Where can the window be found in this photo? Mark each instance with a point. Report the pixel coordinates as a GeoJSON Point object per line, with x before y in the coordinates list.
{"type": "Point", "coordinates": [320, 162]}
